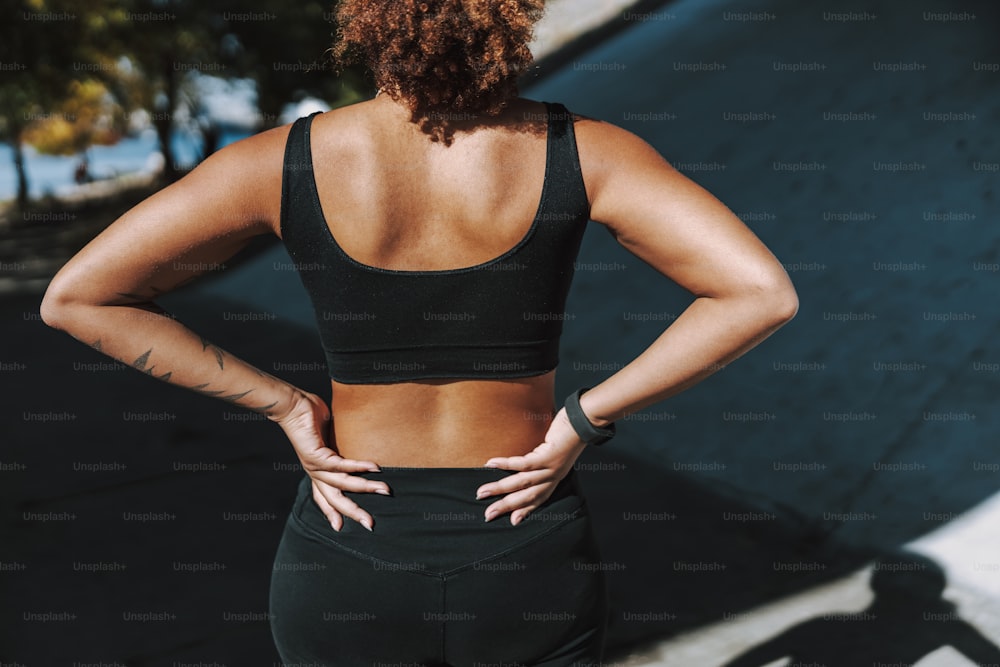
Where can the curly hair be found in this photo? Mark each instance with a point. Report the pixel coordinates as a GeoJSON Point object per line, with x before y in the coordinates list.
{"type": "Point", "coordinates": [446, 60]}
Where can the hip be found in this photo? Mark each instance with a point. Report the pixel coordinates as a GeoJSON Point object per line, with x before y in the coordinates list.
{"type": "Point", "coordinates": [434, 583]}
{"type": "Point", "coordinates": [433, 523]}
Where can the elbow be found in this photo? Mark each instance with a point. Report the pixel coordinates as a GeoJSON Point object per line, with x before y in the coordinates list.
{"type": "Point", "coordinates": [786, 304]}
{"type": "Point", "coordinates": [55, 307]}
{"type": "Point", "coordinates": [772, 298]}
{"type": "Point", "coordinates": [782, 302]}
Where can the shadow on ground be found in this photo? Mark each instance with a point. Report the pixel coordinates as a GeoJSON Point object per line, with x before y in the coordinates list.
{"type": "Point", "coordinates": [141, 520]}
{"type": "Point", "coordinates": [907, 620]}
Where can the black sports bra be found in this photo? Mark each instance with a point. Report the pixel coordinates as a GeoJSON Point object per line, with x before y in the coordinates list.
{"type": "Point", "coordinates": [498, 319]}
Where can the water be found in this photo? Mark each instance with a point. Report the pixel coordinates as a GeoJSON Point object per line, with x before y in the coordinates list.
{"type": "Point", "coordinates": [51, 174]}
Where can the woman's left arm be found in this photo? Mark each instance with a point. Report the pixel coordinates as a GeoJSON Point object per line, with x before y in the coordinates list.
{"type": "Point", "coordinates": [104, 296]}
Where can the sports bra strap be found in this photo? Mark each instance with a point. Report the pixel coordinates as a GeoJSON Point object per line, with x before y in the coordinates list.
{"type": "Point", "coordinates": [565, 168]}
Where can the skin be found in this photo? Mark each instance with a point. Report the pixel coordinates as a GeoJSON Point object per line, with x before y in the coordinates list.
{"type": "Point", "coordinates": [396, 200]}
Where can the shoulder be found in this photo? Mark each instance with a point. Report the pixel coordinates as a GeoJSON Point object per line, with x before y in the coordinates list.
{"type": "Point", "coordinates": [599, 138]}
{"type": "Point", "coordinates": [604, 148]}
{"type": "Point", "coordinates": [607, 151]}
{"type": "Point", "coordinates": [249, 173]}
{"type": "Point", "coordinates": [251, 170]}
{"type": "Point", "coordinates": [261, 154]}
{"type": "Point", "coordinates": [345, 135]}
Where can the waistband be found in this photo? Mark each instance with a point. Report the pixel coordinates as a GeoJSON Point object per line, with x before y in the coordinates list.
{"type": "Point", "coordinates": [433, 522]}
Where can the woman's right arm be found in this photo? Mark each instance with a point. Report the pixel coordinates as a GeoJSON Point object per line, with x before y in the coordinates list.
{"type": "Point", "coordinates": [742, 293]}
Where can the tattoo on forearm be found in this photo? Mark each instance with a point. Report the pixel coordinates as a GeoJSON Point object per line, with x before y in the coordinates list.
{"type": "Point", "coordinates": [235, 397]}
{"type": "Point", "coordinates": [140, 364]}
{"type": "Point", "coordinates": [205, 344]}
{"type": "Point", "coordinates": [200, 388]}
{"type": "Point", "coordinates": [266, 375]}
{"type": "Point", "coordinates": [141, 361]}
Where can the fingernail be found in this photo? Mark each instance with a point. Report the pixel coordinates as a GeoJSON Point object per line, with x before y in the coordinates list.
{"type": "Point", "coordinates": [489, 516]}
{"type": "Point", "coordinates": [490, 464]}
{"type": "Point", "coordinates": [383, 492]}
{"type": "Point", "coordinates": [367, 524]}
{"type": "Point", "coordinates": [332, 525]}
{"type": "Point", "coordinates": [481, 494]}
{"type": "Point", "coordinates": [514, 520]}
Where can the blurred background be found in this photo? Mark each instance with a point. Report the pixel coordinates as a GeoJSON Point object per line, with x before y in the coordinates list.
{"type": "Point", "coordinates": [830, 499]}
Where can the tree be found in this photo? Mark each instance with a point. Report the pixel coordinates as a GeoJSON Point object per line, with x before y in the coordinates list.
{"type": "Point", "coordinates": [40, 57]}
{"type": "Point", "coordinates": [284, 47]}
{"type": "Point", "coordinates": [88, 116]}
{"type": "Point", "coordinates": [71, 70]}
{"type": "Point", "coordinates": [164, 40]}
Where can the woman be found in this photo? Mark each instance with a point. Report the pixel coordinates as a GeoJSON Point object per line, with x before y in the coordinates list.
{"type": "Point", "coordinates": [435, 228]}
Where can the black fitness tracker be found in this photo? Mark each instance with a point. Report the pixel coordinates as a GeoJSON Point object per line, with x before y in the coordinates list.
{"type": "Point", "coordinates": [590, 434]}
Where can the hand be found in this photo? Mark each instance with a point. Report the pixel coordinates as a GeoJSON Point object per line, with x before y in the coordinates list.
{"type": "Point", "coordinates": [305, 424]}
{"type": "Point", "coordinates": [540, 470]}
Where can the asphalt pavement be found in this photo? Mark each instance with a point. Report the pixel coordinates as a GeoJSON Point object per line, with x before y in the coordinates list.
{"type": "Point", "coordinates": [829, 499]}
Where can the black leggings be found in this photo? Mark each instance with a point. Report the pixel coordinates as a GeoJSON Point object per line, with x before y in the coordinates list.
{"type": "Point", "coordinates": [436, 585]}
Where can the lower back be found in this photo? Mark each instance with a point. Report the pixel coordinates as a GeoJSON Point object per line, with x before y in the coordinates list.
{"type": "Point", "coordinates": [441, 423]}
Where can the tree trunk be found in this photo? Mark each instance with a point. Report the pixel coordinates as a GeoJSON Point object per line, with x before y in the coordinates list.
{"type": "Point", "coordinates": [22, 174]}
{"type": "Point", "coordinates": [163, 127]}
{"type": "Point", "coordinates": [210, 136]}
{"type": "Point", "coordinates": [164, 120]}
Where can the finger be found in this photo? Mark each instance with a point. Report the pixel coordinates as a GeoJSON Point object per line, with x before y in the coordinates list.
{"type": "Point", "coordinates": [349, 508]}
{"type": "Point", "coordinates": [511, 483]}
{"type": "Point", "coordinates": [352, 483]}
{"type": "Point", "coordinates": [522, 500]}
{"type": "Point", "coordinates": [336, 521]}
{"type": "Point", "coordinates": [517, 516]}
{"type": "Point", "coordinates": [327, 459]}
{"type": "Point", "coordinates": [352, 465]}
{"type": "Point", "coordinates": [331, 462]}
{"type": "Point", "coordinates": [344, 506]}
{"type": "Point", "coordinates": [527, 462]}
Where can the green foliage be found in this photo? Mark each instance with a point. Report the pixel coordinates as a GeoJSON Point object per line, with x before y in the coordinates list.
{"type": "Point", "coordinates": [43, 50]}
{"type": "Point", "coordinates": [88, 116]}
{"type": "Point", "coordinates": [71, 71]}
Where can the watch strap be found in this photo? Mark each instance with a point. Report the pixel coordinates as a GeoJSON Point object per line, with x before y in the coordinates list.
{"type": "Point", "coordinates": [590, 434]}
